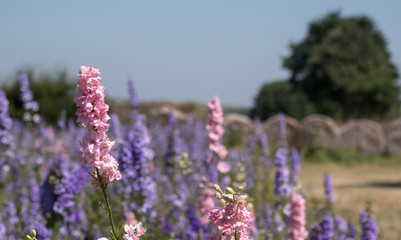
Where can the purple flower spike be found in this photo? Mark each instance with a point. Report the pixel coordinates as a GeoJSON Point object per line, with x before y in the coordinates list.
{"type": "Point", "coordinates": [369, 227]}
{"type": "Point", "coordinates": [328, 187]}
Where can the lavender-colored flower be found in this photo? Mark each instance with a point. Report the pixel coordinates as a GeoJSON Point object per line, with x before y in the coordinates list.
{"type": "Point", "coordinates": [5, 120]}
{"type": "Point", "coordinates": [282, 125]}
{"type": "Point", "coordinates": [132, 95]}
{"type": "Point", "coordinates": [351, 232]}
{"type": "Point", "coordinates": [340, 226]}
{"type": "Point", "coordinates": [281, 186]}
{"type": "Point", "coordinates": [296, 159]}
{"type": "Point", "coordinates": [29, 104]}
{"type": "Point", "coordinates": [369, 227]}
{"type": "Point", "coordinates": [328, 187]}
{"type": "Point", "coordinates": [2, 229]}
{"type": "Point", "coordinates": [69, 187]}
{"type": "Point", "coordinates": [315, 232]}
{"type": "Point", "coordinates": [327, 227]}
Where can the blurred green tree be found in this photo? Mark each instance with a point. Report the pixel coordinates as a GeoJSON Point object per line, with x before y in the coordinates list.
{"type": "Point", "coordinates": [344, 68]}
{"type": "Point", "coordinates": [280, 96]}
{"type": "Point", "coordinates": [53, 92]}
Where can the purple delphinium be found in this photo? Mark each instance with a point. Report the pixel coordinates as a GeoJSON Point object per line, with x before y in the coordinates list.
{"type": "Point", "coordinates": [263, 142]}
{"type": "Point", "coordinates": [328, 187]}
{"type": "Point", "coordinates": [369, 227]}
{"type": "Point", "coordinates": [351, 232]}
{"type": "Point", "coordinates": [315, 232]}
{"type": "Point", "coordinates": [296, 159]}
{"type": "Point", "coordinates": [30, 106]}
{"type": "Point", "coordinates": [282, 128]}
{"type": "Point", "coordinates": [281, 187]}
{"type": "Point", "coordinates": [340, 226]}
{"type": "Point", "coordinates": [133, 98]}
{"type": "Point", "coordinates": [134, 157]}
{"type": "Point", "coordinates": [327, 227]}
{"type": "Point", "coordinates": [69, 187]}
{"type": "Point", "coordinates": [5, 120]}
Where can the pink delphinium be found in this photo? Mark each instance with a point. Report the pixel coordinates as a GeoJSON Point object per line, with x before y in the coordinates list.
{"type": "Point", "coordinates": [232, 219]}
{"type": "Point", "coordinates": [206, 204]}
{"type": "Point", "coordinates": [92, 113]}
{"type": "Point", "coordinates": [133, 232]}
{"type": "Point", "coordinates": [215, 128]}
{"type": "Point", "coordinates": [297, 218]}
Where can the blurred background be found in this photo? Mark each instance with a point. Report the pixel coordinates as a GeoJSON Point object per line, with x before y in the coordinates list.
{"type": "Point", "coordinates": [180, 51]}
{"type": "Point", "coordinates": [330, 68]}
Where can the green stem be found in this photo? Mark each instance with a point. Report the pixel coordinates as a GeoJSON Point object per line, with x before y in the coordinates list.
{"type": "Point", "coordinates": [103, 187]}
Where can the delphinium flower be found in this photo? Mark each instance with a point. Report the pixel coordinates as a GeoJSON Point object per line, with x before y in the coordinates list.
{"type": "Point", "coordinates": [232, 219]}
{"type": "Point", "coordinates": [215, 128]}
{"type": "Point", "coordinates": [29, 104]}
{"type": "Point", "coordinates": [35, 220]}
{"type": "Point", "coordinates": [297, 218]}
{"type": "Point", "coordinates": [194, 222]}
{"type": "Point", "coordinates": [133, 98]}
{"type": "Point", "coordinates": [95, 146]}
{"type": "Point", "coordinates": [281, 187]}
{"type": "Point", "coordinates": [296, 159]}
{"type": "Point", "coordinates": [5, 121]}
{"type": "Point", "coordinates": [327, 227]}
{"type": "Point", "coordinates": [328, 188]}
{"type": "Point", "coordinates": [264, 146]}
{"type": "Point", "coordinates": [205, 204]}
{"type": "Point", "coordinates": [268, 219]}
{"type": "Point", "coordinates": [68, 188]}
{"type": "Point", "coordinates": [340, 227]}
{"type": "Point", "coordinates": [135, 167]}
{"type": "Point", "coordinates": [282, 129]}
{"type": "Point", "coordinates": [369, 227]}
{"type": "Point", "coordinates": [174, 142]}
{"type": "Point", "coordinates": [92, 113]}
{"type": "Point", "coordinates": [351, 232]}
{"type": "Point", "coordinates": [315, 232]}
{"type": "Point", "coordinates": [133, 232]}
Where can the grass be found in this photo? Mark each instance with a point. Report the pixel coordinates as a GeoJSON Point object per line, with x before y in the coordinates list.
{"type": "Point", "coordinates": [358, 179]}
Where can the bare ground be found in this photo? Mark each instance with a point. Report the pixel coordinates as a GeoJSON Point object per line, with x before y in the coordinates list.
{"type": "Point", "coordinates": [354, 185]}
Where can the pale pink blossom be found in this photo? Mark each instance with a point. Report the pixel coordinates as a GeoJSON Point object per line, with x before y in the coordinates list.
{"type": "Point", "coordinates": [232, 219]}
{"type": "Point", "coordinates": [297, 218]}
{"type": "Point", "coordinates": [92, 113]}
{"type": "Point", "coordinates": [215, 128]}
{"type": "Point", "coordinates": [133, 232]}
{"type": "Point", "coordinates": [205, 205]}
{"type": "Point", "coordinates": [223, 167]}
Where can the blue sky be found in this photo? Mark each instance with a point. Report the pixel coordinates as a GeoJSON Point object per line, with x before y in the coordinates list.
{"type": "Point", "coordinates": [173, 50]}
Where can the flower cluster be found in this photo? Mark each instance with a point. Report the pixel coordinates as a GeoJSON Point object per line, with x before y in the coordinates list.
{"type": "Point", "coordinates": [369, 227]}
{"type": "Point", "coordinates": [5, 120]}
{"type": "Point", "coordinates": [27, 99]}
{"type": "Point", "coordinates": [134, 232]}
{"type": "Point", "coordinates": [297, 218]}
{"type": "Point", "coordinates": [281, 186]}
{"type": "Point", "coordinates": [233, 218]}
{"type": "Point", "coordinates": [215, 128]}
{"type": "Point", "coordinates": [92, 113]}
{"type": "Point", "coordinates": [328, 187]}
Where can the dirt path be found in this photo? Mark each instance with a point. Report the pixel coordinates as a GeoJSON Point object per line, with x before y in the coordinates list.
{"type": "Point", "coordinates": [380, 184]}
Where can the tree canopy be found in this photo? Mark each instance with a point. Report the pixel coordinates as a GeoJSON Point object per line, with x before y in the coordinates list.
{"type": "Point", "coordinates": [280, 96]}
{"type": "Point", "coordinates": [54, 93]}
{"type": "Point", "coordinates": [344, 68]}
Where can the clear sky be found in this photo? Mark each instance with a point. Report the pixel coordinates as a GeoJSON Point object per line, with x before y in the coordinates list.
{"type": "Point", "coordinates": [173, 50]}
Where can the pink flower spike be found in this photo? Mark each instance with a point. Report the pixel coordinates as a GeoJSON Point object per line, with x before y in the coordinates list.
{"type": "Point", "coordinates": [214, 126]}
{"type": "Point", "coordinates": [297, 218]}
{"type": "Point", "coordinates": [92, 113]}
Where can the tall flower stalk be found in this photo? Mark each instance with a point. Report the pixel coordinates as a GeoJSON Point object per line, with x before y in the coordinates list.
{"type": "Point", "coordinates": [95, 146]}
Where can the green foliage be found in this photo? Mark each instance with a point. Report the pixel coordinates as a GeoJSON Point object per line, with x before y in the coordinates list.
{"type": "Point", "coordinates": [344, 68]}
{"type": "Point", "coordinates": [280, 96]}
{"type": "Point", "coordinates": [54, 93]}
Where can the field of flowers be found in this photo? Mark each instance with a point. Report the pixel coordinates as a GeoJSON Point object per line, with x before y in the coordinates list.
{"type": "Point", "coordinates": [154, 178]}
